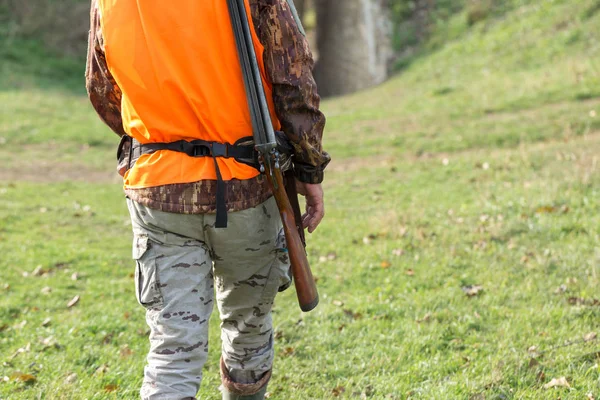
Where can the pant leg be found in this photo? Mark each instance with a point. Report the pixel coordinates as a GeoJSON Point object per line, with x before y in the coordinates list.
{"type": "Point", "coordinates": [174, 283]}
{"type": "Point", "coordinates": [251, 263]}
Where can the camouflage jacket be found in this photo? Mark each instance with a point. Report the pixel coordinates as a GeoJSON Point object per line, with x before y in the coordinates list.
{"type": "Point", "coordinates": [288, 62]}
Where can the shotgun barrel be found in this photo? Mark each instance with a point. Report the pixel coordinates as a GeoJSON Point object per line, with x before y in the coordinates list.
{"type": "Point", "coordinates": [266, 145]}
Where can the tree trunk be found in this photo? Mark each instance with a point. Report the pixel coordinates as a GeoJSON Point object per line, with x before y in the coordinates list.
{"type": "Point", "coordinates": [354, 45]}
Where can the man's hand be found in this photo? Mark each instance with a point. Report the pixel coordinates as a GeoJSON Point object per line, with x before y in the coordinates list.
{"type": "Point", "coordinates": [315, 207]}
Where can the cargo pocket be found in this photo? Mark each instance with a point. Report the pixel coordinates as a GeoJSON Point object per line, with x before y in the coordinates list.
{"type": "Point", "coordinates": [147, 282]}
{"type": "Point", "coordinates": [280, 277]}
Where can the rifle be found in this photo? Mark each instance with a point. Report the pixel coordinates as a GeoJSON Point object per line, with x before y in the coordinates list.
{"type": "Point", "coordinates": [269, 158]}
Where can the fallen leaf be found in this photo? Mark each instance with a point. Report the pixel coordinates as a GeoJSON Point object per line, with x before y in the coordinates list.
{"type": "Point", "coordinates": [125, 351]}
{"type": "Point", "coordinates": [46, 322]}
{"type": "Point", "coordinates": [288, 351]}
{"type": "Point", "coordinates": [352, 314]}
{"type": "Point", "coordinates": [579, 301]}
{"type": "Point", "coordinates": [21, 377]}
{"type": "Point", "coordinates": [588, 337]}
{"type": "Point", "coordinates": [425, 318]}
{"type": "Point", "coordinates": [75, 276]}
{"type": "Point", "coordinates": [336, 392]}
{"type": "Point", "coordinates": [472, 290]}
{"type": "Point", "coordinates": [546, 209]}
{"type": "Point", "coordinates": [20, 325]}
{"type": "Point", "coordinates": [49, 342]}
{"type": "Point", "coordinates": [101, 369]}
{"type": "Point", "coordinates": [25, 349]}
{"type": "Point", "coordinates": [6, 286]}
{"type": "Point", "coordinates": [541, 376]}
{"type": "Point", "coordinates": [338, 303]}
{"type": "Point", "coordinates": [46, 290]}
{"type": "Point", "coordinates": [590, 396]}
{"type": "Point", "coordinates": [111, 388]}
{"type": "Point", "coordinates": [38, 271]}
{"type": "Point", "coordinates": [385, 264]}
{"type": "Point", "coordinates": [71, 378]}
{"type": "Point", "coordinates": [561, 289]}
{"type": "Point", "coordinates": [557, 382]}
{"type": "Point", "coordinates": [127, 315]}
{"type": "Point", "coordinates": [410, 272]}
{"type": "Point", "coordinates": [73, 301]}
{"type": "Point", "coordinates": [398, 252]}
{"type": "Point", "coordinates": [533, 363]}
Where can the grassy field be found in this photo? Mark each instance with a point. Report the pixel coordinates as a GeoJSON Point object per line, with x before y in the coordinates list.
{"type": "Point", "coordinates": [459, 258]}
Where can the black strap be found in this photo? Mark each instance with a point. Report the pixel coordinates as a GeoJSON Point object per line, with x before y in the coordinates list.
{"type": "Point", "coordinates": [242, 151]}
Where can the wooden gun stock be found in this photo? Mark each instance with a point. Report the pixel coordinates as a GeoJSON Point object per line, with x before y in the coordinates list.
{"type": "Point", "coordinates": [306, 288]}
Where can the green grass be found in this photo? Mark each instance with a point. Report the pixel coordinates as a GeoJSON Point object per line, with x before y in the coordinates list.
{"type": "Point", "coordinates": [478, 165]}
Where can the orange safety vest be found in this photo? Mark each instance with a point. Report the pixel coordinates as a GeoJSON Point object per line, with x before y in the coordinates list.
{"type": "Point", "coordinates": [178, 69]}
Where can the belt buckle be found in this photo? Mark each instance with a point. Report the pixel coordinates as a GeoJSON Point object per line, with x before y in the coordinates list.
{"type": "Point", "coordinates": [219, 150]}
{"type": "Point", "coordinates": [200, 150]}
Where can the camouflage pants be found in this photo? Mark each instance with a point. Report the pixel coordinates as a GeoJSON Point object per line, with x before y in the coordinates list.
{"type": "Point", "coordinates": [182, 261]}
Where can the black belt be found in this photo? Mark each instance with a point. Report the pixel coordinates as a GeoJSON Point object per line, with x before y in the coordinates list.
{"type": "Point", "coordinates": [242, 151]}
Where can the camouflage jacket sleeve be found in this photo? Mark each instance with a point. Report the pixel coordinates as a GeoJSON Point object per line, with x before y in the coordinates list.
{"type": "Point", "coordinates": [289, 62]}
{"type": "Point", "coordinates": [103, 91]}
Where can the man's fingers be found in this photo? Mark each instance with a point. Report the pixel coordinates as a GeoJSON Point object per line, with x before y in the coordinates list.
{"type": "Point", "coordinates": [316, 213]}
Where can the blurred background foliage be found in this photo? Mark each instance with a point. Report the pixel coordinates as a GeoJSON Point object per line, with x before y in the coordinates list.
{"type": "Point", "coordinates": [48, 38]}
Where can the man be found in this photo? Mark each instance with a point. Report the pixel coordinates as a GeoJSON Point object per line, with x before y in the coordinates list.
{"type": "Point", "coordinates": [160, 72]}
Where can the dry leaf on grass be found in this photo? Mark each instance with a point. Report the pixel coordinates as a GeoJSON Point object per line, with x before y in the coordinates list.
{"type": "Point", "coordinates": [25, 349]}
{"type": "Point", "coordinates": [352, 314]}
{"type": "Point", "coordinates": [101, 369]}
{"type": "Point", "coordinates": [386, 264]}
{"type": "Point", "coordinates": [125, 351]}
{"type": "Point", "coordinates": [398, 252]}
{"type": "Point", "coordinates": [20, 325]}
{"type": "Point", "coordinates": [472, 290]}
{"type": "Point", "coordinates": [426, 318]}
{"type": "Point", "coordinates": [111, 388]}
{"type": "Point", "coordinates": [557, 382]}
{"type": "Point", "coordinates": [73, 301]}
{"type": "Point", "coordinates": [336, 392]}
{"type": "Point", "coordinates": [288, 351]}
{"type": "Point", "coordinates": [588, 337]}
{"type": "Point", "coordinates": [71, 378]}
{"type": "Point", "coordinates": [338, 303]}
{"type": "Point", "coordinates": [21, 377]}
{"type": "Point", "coordinates": [46, 322]}
{"type": "Point", "coordinates": [46, 290]}
{"type": "Point", "coordinates": [410, 272]}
